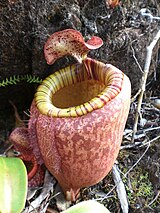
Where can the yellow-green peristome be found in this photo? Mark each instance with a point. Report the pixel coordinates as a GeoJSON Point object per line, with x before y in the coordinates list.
{"type": "Point", "coordinates": [93, 92]}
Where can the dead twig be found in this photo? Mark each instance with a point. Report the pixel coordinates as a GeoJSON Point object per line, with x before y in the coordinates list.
{"type": "Point", "coordinates": [47, 190]}
{"type": "Point", "coordinates": [144, 79]}
{"type": "Point", "coordinates": [18, 121]}
{"type": "Point", "coordinates": [151, 141]}
{"type": "Point", "coordinates": [137, 160]}
{"type": "Point", "coordinates": [133, 53]}
{"type": "Point", "coordinates": [140, 144]}
{"type": "Point", "coordinates": [156, 197]}
{"type": "Point", "coordinates": [122, 195]}
{"type": "Point", "coordinates": [130, 146]}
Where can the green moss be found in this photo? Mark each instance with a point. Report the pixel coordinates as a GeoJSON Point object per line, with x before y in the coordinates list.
{"type": "Point", "coordinates": [140, 187]}
{"type": "Point", "coordinates": [145, 186]}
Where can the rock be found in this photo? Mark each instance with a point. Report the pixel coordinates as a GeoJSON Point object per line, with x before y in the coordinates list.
{"type": "Point", "coordinates": [26, 25]}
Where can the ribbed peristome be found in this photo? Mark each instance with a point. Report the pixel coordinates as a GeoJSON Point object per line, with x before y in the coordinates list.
{"type": "Point", "coordinates": [90, 86]}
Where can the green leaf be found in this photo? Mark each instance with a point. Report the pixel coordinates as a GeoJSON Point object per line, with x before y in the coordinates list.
{"type": "Point", "coordinates": [89, 206]}
{"type": "Point", "coordinates": [13, 185]}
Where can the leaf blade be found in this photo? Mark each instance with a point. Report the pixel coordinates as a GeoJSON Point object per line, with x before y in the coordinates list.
{"type": "Point", "coordinates": [13, 185]}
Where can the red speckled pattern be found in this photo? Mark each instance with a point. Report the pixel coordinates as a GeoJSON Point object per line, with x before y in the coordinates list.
{"type": "Point", "coordinates": [69, 42]}
{"type": "Point", "coordinates": [38, 178]}
{"type": "Point", "coordinates": [80, 151]}
{"type": "Point", "coordinates": [113, 3]}
{"type": "Point", "coordinates": [33, 133]}
{"type": "Point", "coordinates": [94, 43]}
{"type": "Point", "coordinates": [21, 141]}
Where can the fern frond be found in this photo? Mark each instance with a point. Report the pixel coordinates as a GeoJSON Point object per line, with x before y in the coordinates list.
{"type": "Point", "coordinates": [15, 79]}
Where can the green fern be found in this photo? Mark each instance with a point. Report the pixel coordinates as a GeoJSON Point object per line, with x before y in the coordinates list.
{"type": "Point", "coordinates": [33, 79]}
{"type": "Point", "coordinates": [15, 79]}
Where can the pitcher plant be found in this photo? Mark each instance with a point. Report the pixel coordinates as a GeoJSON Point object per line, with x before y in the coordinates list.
{"type": "Point", "coordinates": [78, 115]}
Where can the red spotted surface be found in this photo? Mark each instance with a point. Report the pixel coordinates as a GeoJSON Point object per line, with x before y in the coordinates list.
{"type": "Point", "coordinates": [113, 3]}
{"type": "Point", "coordinates": [80, 151]}
{"type": "Point", "coordinates": [21, 141]}
{"type": "Point", "coordinates": [69, 42]}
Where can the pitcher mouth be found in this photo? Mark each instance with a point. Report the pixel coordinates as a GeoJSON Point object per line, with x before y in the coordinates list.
{"type": "Point", "coordinates": [104, 80]}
